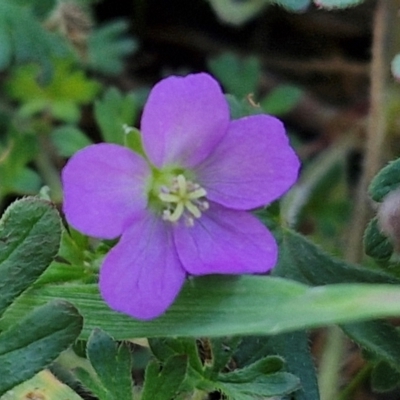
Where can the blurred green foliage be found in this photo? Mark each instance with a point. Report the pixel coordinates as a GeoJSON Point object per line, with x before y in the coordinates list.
{"type": "Point", "coordinates": [60, 98]}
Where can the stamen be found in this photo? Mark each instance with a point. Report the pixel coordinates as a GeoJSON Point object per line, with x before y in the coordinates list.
{"type": "Point", "coordinates": [182, 185]}
{"type": "Point", "coordinates": [177, 213]}
{"type": "Point", "coordinates": [169, 198]}
{"type": "Point", "coordinates": [184, 199]}
{"type": "Point", "coordinates": [193, 209]}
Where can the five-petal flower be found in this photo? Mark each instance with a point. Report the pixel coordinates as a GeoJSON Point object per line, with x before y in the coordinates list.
{"type": "Point", "coordinates": [182, 209]}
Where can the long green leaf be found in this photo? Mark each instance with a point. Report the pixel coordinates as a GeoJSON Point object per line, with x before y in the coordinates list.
{"type": "Point", "coordinates": [222, 305]}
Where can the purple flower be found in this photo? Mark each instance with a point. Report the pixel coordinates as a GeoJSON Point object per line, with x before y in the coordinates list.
{"type": "Point", "coordinates": [182, 209]}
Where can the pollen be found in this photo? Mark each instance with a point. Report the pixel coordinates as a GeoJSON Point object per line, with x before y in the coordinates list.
{"type": "Point", "coordinates": [184, 199]}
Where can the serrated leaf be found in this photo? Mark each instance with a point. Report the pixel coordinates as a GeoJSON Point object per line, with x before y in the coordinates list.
{"type": "Point", "coordinates": [107, 47]}
{"type": "Point", "coordinates": [387, 180]}
{"type": "Point", "coordinates": [379, 338]}
{"type": "Point", "coordinates": [163, 382]}
{"type": "Point", "coordinates": [112, 363]}
{"type": "Point", "coordinates": [30, 232]}
{"type": "Point", "coordinates": [27, 40]}
{"type": "Point", "coordinates": [30, 345]}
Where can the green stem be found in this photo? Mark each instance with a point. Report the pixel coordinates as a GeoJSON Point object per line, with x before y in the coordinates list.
{"type": "Point", "coordinates": [361, 376]}
{"type": "Point", "coordinates": [330, 366]}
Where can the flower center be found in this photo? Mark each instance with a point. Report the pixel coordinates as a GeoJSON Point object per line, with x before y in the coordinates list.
{"type": "Point", "coordinates": [183, 199]}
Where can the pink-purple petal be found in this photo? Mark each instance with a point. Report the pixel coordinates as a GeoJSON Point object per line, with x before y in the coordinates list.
{"type": "Point", "coordinates": [252, 166]}
{"type": "Point", "coordinates": [142, 275]}
{"type": "Point", "coordinates": [104, 187]}
{"type": "Point", "coordinates": [225, 241]}
{"type": "Point", "coordinates": [183, 120]}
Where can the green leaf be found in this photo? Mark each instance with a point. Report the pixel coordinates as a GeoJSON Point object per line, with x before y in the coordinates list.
{"type": "Point", "coordinates": [107, 47]}
{"type": "Point", "coordinates": [15, 176]}
{"type": "Point", "coordinates": [384, 377]}
{"type": "Point", "coordinates": [6, 48]}
{"type": "Point", "coordinates": [68, 139]}
{"type": "Point", "coordinates": [222, 351]}
{"type": "Point", "coordinates": [376, 244]}
{"type": "Point", "coordinates": [278, 384]}
{"type": "Point", "coordinates": [112, 363]}
{"type": "Point", "coordinates": [26, 181]}
{"type": "Point", "coordinates": [163, 382]}
{"type": "Point", "coordinates": [165, 348]}
{"type": "Point", "coordinates": [294, 348]}
{"type": "Point", "coordinates": [265, 366]}
{"type": "Point", "coordinates": [387, 180]}
{"type": "Point", "coordinates": [329, 4]}
{"type": "Point", "coordinates": [30, 232]}
{"type": "Point", "coordinates": [241, 108]}
{"type": "Point", "coordinates": [22, 38]}
{"type": "Point", "coordinates": [66, 90]}
{"type": "Point", "coordinates": [225, 305]}
{"type": "Point", "coordinates": [293, 5]}
{"type": "Point", "coordinates": [281, 100]}
{"type": "Point", "coordinates": [30, 345]}
{"type": "Point", "coordinates": [92, 383]}
{"type": "Point", "coordinates": [240, 77]}
{"type": "Point", "coordinates": [114, 111]}
{"type": "Point", "coordinates": [305, 262]}
{"type": "Point", "coordinates": [379, 338]}
{"type": "Point", "coordinates": [237, 13]}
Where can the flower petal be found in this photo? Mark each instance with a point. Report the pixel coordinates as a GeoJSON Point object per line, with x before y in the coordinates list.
{"type": "Point", "coordinates": [183, 120]}
{"type": "Point", "coordinates": [225, 241]}
{"type": "Point", "coordinates": [142, 275]}
{"type": "Point", "coordinates": [252, 166]}
{"type": "Point", "coordinates": [103, 189]}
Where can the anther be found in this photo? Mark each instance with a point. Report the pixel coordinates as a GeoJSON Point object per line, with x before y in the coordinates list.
{"type": "Point", "coordinates": [184, 199]}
